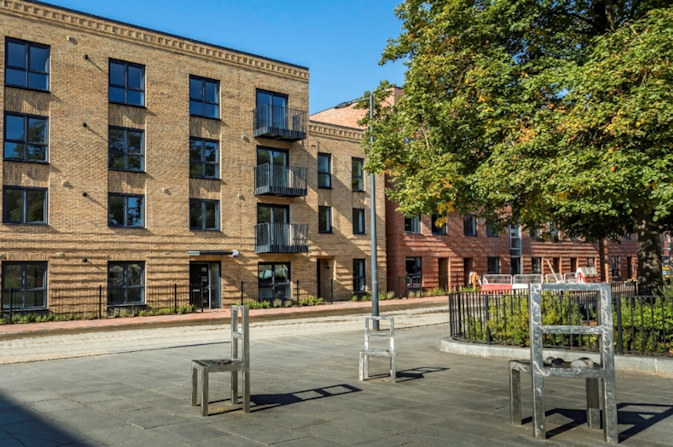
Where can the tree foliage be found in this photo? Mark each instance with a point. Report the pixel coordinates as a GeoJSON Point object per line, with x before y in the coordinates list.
{"type": "Point", "coordinates": [534, 111]}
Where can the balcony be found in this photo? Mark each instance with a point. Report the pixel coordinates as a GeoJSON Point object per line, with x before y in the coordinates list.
{"type": "Point", "coordinates": [280, 181]}
{"type": "Point", "coordinates": [279, 123]}
{"type": "Point", "coordinates": [281, 238]}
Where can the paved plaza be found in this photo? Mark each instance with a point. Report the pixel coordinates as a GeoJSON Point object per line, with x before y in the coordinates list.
{"type": "Point", "coordinates": [131, 387]}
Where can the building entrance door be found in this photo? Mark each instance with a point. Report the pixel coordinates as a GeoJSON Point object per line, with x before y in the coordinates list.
{"type": "Point", "coordinates": [325, 276]}
{"type": "Point", "coordinates": [204, 284]}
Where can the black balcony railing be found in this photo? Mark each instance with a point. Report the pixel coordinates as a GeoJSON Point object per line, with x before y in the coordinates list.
{"type": "Point", "coordinates": [280, 180]}
{"type": "Point", "coordinates": [279, 122]}
{"type": "Point", "coordinates": [281, 238]}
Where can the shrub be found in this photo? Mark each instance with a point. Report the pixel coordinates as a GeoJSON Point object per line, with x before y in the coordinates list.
{"type": "Point", "coordinates": [310, 301]}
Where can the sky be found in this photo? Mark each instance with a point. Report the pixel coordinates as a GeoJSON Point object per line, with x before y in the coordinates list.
{"type": "Point", "coordinates": [340, 41]}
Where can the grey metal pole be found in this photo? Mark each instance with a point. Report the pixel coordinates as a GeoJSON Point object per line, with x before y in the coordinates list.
{"type": "Point", "coordinates": [375, 270]}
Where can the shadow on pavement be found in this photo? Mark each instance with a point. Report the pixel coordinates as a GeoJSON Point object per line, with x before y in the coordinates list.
{"type": "Point", "coordinates": [418, 373]}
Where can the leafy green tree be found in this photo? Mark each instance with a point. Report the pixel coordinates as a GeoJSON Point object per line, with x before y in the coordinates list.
{"type": "Point", "coordinates": [535, 111]}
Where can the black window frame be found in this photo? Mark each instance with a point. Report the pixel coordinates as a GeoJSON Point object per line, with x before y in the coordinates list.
{"type": "Point", "coordinates": [26, 130]}
{"type": "Point", "coordinates": [360, 179]}
{"type": "Point", "coordinates": [203, 101]}
{"type": "Point", "coordinates": [202, 160]}
{"type": "Point", "coordinates": [126, 87]}
{"type": "Point", "coordinates": [286, 208]}
{"type": "Point", "coordinates": [489, 260]}
{"type": "Point", "coordinates": [27, 68]}
{"type": "Point", "coordinates": [437, 231]}
{"type": "Point", "coordinates": [412, 224]}
{"type": "Point", "coordinates": [327, 220]}
{"type": "Point", "coordinates": [25, 205]}
{"type": "Point", "coordinates": [472, 225]}
{"type": "Point", "coordinates": [125, 287]}
{"type": "Point", "coordinates": [126, 153]}
{"type": "Point", "coordinates": [359, 276]}
{"type": "Point", "coordinates": [284, 287]}
{"type": "Point", "coordinates": [11, 294]}
{"type": "Point", "coordinates": [125, 210]}
{"type": "Point", "coordinates": [413, 278]}
{"type": "Point", "coordinates": [359, 221]}
{"type": "Point", "coordinates": [203, 203]}
{"type": "Point", "coordinates": [325, 174]}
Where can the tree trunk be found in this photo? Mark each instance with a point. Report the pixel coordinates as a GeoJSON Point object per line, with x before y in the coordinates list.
{"type": "Point", "coordinates": [649, 256]}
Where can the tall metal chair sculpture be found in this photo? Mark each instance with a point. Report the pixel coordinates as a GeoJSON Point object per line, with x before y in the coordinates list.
{"type": "Point", "coordinates": [598, 396]}
{"type": "Point", "coordinates": [371, 351]}
{"type": "Point", "coordinates": [239, 362]}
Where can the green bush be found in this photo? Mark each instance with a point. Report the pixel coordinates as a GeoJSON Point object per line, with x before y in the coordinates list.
{"type": "Point", "coordinates": [647, 324]}
{"type": "Point", "coordinates": [310, 301]}
{"type": "Point", "coordinates": [259, 305]}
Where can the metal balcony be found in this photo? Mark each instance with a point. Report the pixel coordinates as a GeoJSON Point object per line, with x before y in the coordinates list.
{"type": "Point", "coordinates": [281, 238]}
{"type": "Point", "coordinates": [280, 123]}
{"type": "Point", "coordinates": [280, 181]}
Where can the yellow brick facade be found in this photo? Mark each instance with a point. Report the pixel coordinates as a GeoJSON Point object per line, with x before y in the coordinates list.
{"type": "Point", "coordinates": [79, 181]}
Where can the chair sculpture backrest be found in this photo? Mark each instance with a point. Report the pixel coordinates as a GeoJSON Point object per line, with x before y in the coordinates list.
{"type": "Point", "coordinates": [240, 340]}
{"type": "Point", "coordinates": [388, 331]}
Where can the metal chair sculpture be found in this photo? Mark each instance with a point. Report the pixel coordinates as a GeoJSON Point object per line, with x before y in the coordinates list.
{"type": "Point", "coordinates": [370, 351]}
{"type": "Point", "coordinates": [239, 362]}
{"type": "Point", "coordinates": [598, 396]}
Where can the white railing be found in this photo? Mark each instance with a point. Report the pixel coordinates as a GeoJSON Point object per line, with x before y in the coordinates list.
{"type": "Point", "coordinates": [497, 279]}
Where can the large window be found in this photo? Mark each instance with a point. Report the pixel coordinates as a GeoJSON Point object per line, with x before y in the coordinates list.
{"type": "Point", "coordinates": [126, 283]}
{"type": "Point", "coordinates": [204, 159]}
{"type": "Point", "coordinates": [412, 224]}
{"type": "Point", "coordinates": [127, 83]}
{"type": "Point", "coordinates": [25, 137]}
{"type": "Point", "coordinates": [324, 170]}
{"type": "Point", "coordinates": [126, 149]}
{"type": "Point", "coordinates": [26, 64]}
{"type": "Point", "coordinates": [24, 285]}
{"type": "Point", "coordinates": [204, 215]}
{"type": "Point", "coordinates": [325, 219]}
{"type": "Point", "coordinates": [438, 229]}
{"type": "Point", "coordinates": [273, 214]}
{"type": "Point", "coordinates": [359, 277]}
{"type": "Point", "coordinates": [469, 225]}
{"type": "Point", "coordinates": [126, 210]}
{"type": "Point", "coordinates": [414, 269]}
{"type": "Point", "coordinates": [271, 110]}
{"type": "Point", "coordinates": [536, 265]}
{"type": "Point", "coordinates": [24, 205]}
{"type": "Point", "coordinates": [274, 281]}
{"type": "Point", "coordinates": [493, 265]}
{"type": "Point", "coordinates": [358, 179]}
{"type": "Point", "coordinates": [204, 97]}
{"type": "Point", "coordinates": [358, 221]}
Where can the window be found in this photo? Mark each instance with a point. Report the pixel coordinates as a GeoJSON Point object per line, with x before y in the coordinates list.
{"type": "Point", "coordinates": [615, 267]}
{"type": "Point", "coordinates": [25, 137]}
{"type": "Point", "coordinates": [204, 97]}
{"type": "Point", "coordinates": [325, 219]}
{"type": "Point", "coordinates": [469, 225]}
{"type": "Point", "coordinates": [536, 234]}
{"type": "Point", "coordinates": [24, 284]}
{"type": "Point", "coordinates": [126, 149]}
{"type": "Point", "coordinates": [204, 214]}
{"type": "Point", "coordinates": [26, 64]}
{"type": "Point", "coordinates": [358, 179]}
{"type": "Point", "coordinates": [126, 210]}
{"type": "Point", "coordinates": [359, 277]}
{"type": "Point", "coordinates": [273, 214]}
{"type": "Point", "coordinates": [441, 229]}
{"type": "Point", "coordinates": [358, 221]}
{"type": "Point", "coordinates": [536, 265]}
{"type": "Point", "coordinates": [24, 205]}
{"type": "Point", "coordinates": [590, 262]}
{"type": "Point", "coordinates": [127, 83]}
{"type": "Point", "coordinates": [271, 110]}
{"type": "Point", "coordinates": [324, 170]}
{"type": "Point", "coordinates": [492, 265]}
{"type": "Point", "coordinates": [204, 159]}
{"type": "Point", "coordinates": [491, 231]}
{"type": "Point", "coordinates": [126, 283]}
{"type": "Point", "coordinates": [414, 269]}
{"type": "Point", "coordinates": [273, 281]}
{"type": "Point", "coordinates": [412, 224]}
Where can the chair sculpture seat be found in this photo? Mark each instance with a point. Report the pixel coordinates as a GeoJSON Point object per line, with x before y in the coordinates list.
{"type": "Point", "coordinates": [600, 376]}
{"type": "Point", "coordinates": [239, 362]}
{"type": "Point", "coordinates": [387, 351]}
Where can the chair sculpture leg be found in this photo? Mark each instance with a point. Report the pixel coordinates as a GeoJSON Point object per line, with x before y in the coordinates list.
{"type": "Point", "coordinates": [539, 426]}
{"type": "Point", "coordinates": [610, 410]}
{"type": "Point", "coordinates": [234, 387]}
{"type": "Point", "coordinates": [204, 391]}
{"type": "Point", "coordinates": [361, 368]}
{"type": "Point", "coordinates": [593, 403]}
{"type": "Point", "coordinates": [514, 396]}
{"type": "Point", "coordinates": [246, 391]}
{"type": "Point", "coordinates": [393, 369]}
{"type": "Point", "coordinates": [195, 385]}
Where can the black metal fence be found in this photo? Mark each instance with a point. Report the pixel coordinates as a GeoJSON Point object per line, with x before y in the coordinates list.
{"type": "Point", "coordinates": [642, 324]}
{"type": "Point", "coordinates": [415, 285]}
{"type": "Point", "coordinates": [287, 293]}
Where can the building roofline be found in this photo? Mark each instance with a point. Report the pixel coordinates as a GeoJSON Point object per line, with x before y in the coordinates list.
{"type": "Point", "coordinates": [175, 36]}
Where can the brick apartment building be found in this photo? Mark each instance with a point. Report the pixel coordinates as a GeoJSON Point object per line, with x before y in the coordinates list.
{"type": "Point", "coordinates": [419, 253]}
{"type": "Point", "coordinates": [143, 161]}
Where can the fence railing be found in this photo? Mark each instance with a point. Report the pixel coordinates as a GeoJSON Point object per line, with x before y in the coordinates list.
{"type": "Point", "coordinates": [280, 180]}
{"type": "Point", "coordinates": [642, 324]}
{"type": "Point", "coordinates": [285, 293]}
{"type": "Point", "coordinates": [415, 285]}
{"type": "Point", "coordinates": [281, 238]}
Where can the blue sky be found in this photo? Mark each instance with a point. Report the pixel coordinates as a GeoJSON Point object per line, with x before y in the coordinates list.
{"type": "Point", "coordinates": [339, 41]}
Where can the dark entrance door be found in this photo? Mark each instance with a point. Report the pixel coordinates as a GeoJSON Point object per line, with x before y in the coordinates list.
{"type": "Point", "coordinates": [204, 280]}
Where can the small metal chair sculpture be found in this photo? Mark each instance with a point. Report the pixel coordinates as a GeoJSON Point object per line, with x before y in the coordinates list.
{"type": "Point", "coordinates": [239, 362]}
{"type": "Point", "coordinates": [370, 351]}
{"type": "Point", "coordinates": [598, 397]}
